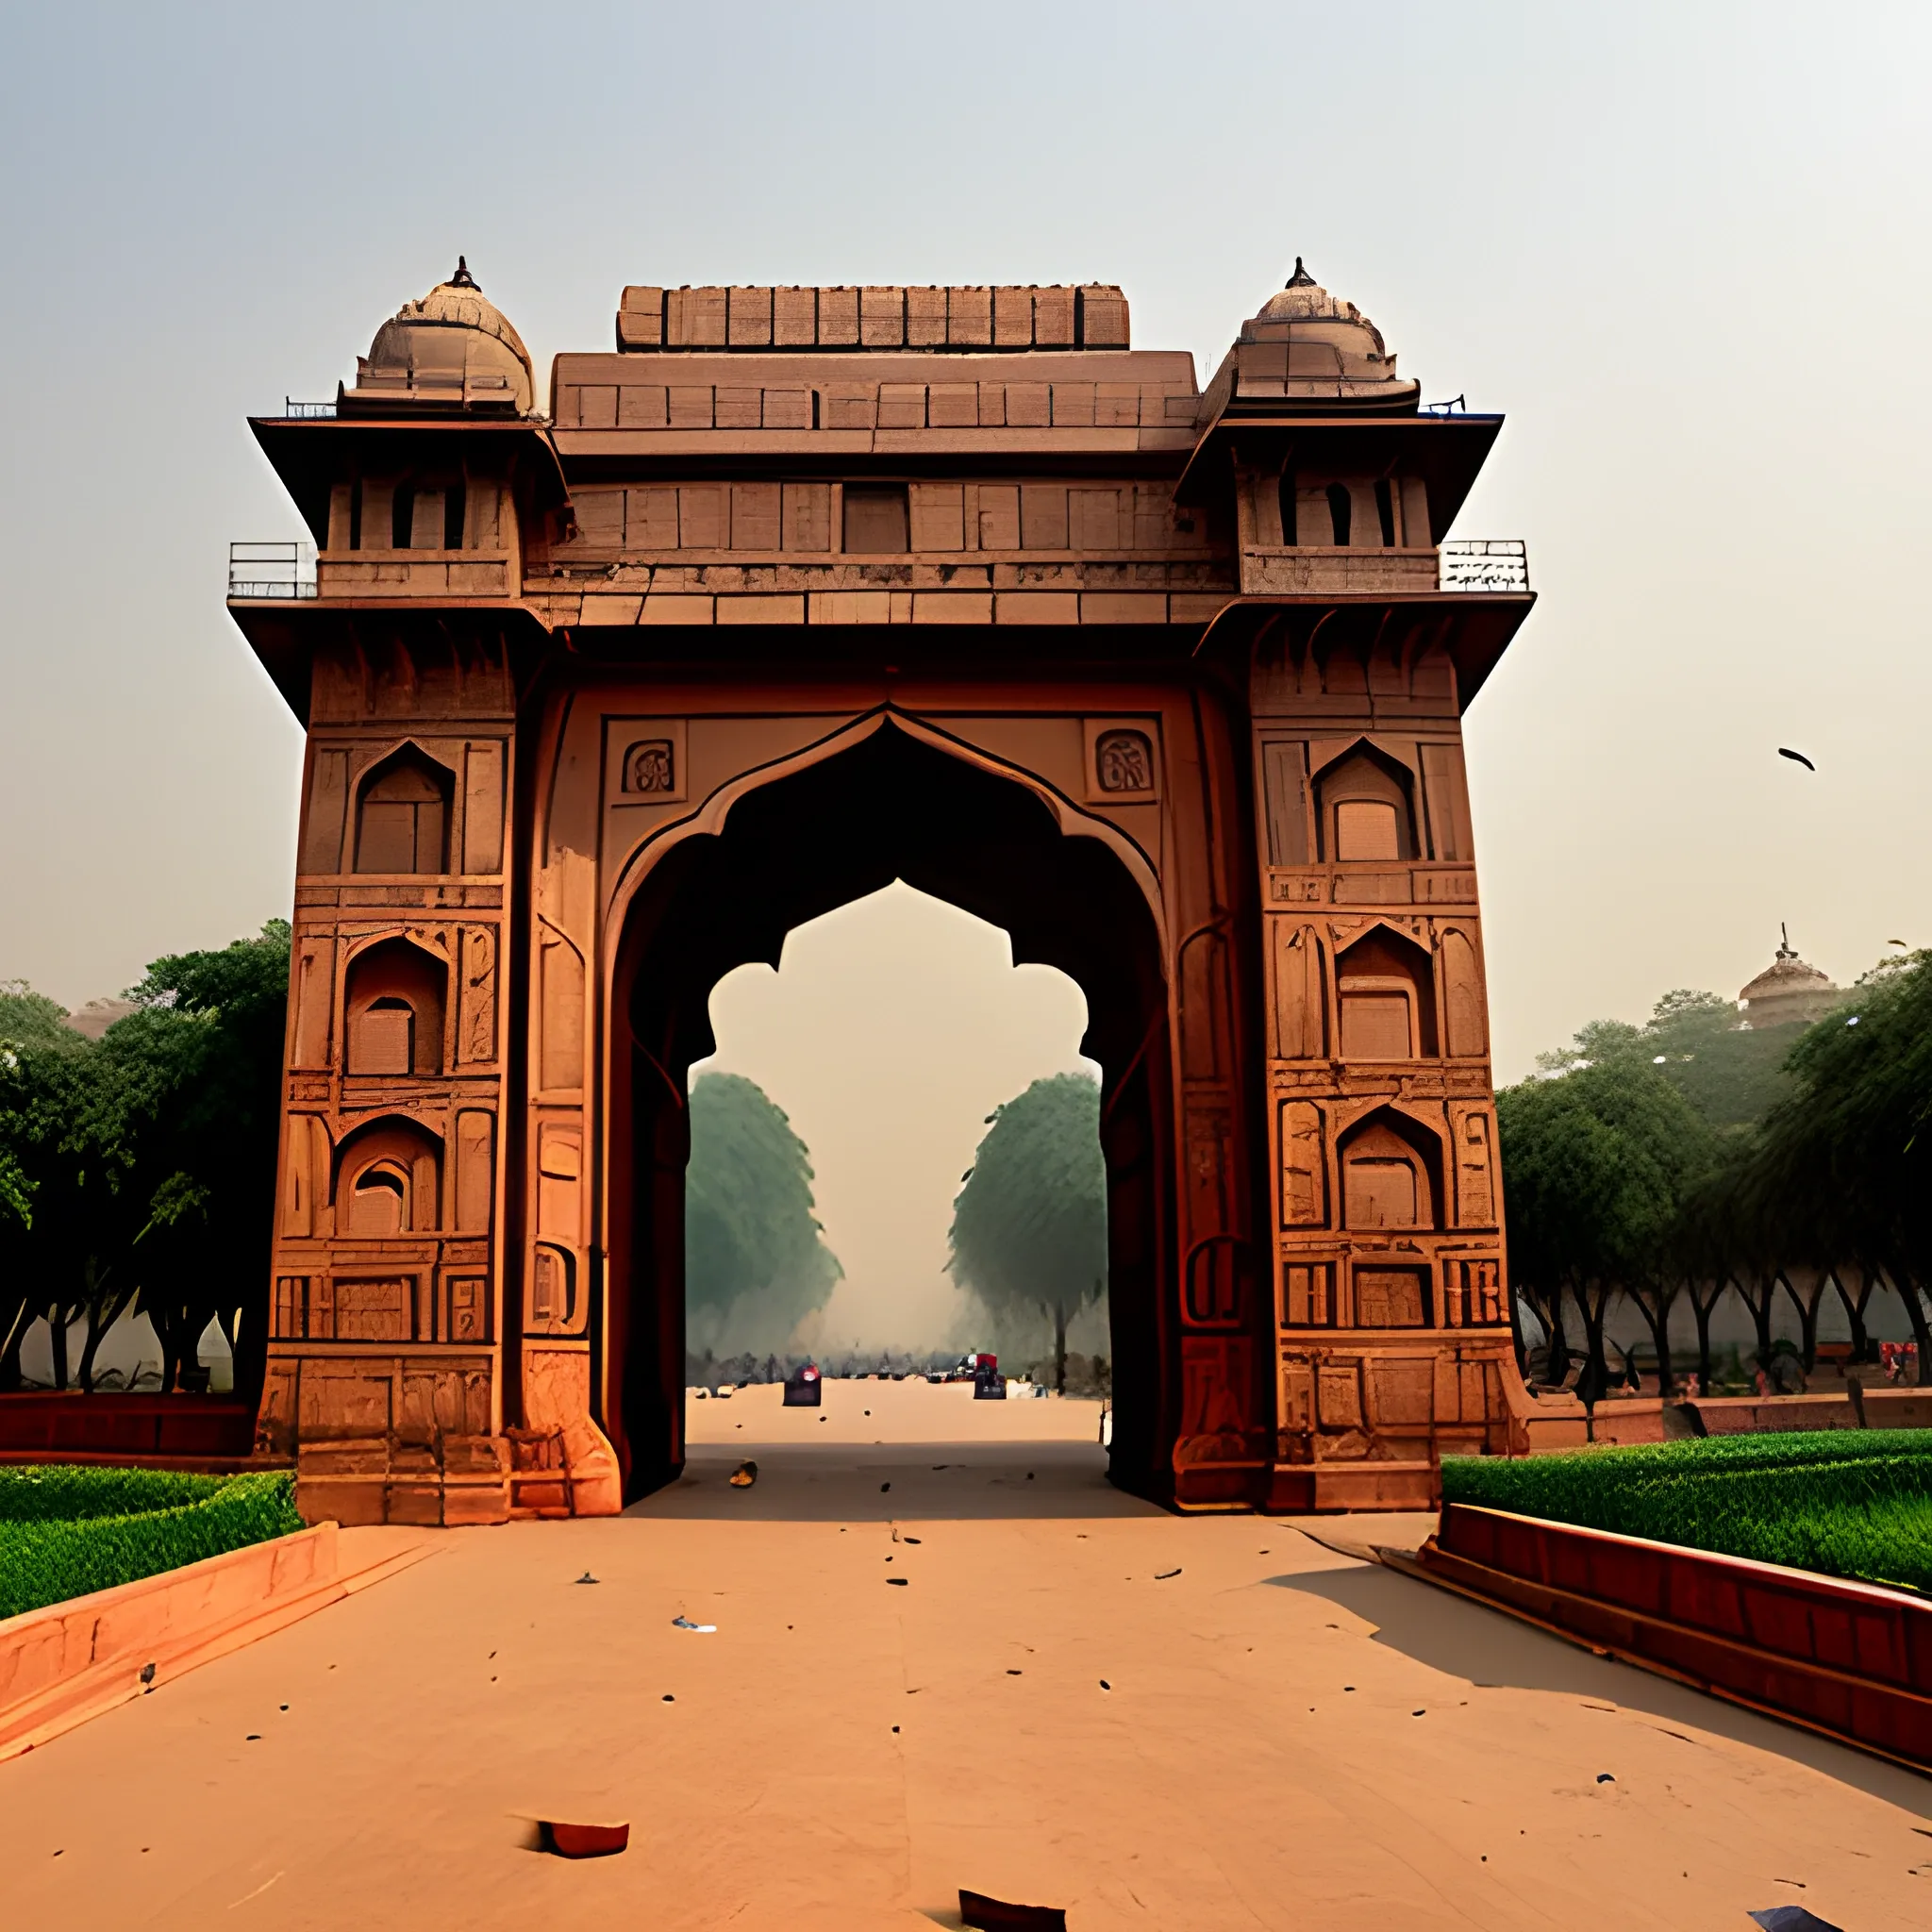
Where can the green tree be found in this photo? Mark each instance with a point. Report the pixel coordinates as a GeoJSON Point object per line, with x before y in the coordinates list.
{"type": "Point", "coordinates": [1732, 1076]}
{"type": "Point", "coordinates": [754, 1257]}
{"type": "Point", "coordinates": [1843, 1174]}
{"type": "Point", "coordinates": [208, 1254]}
{"type": "Point", "coordinates": [31, 1019]}
{"type": "Point", "coordinates": [1030, 1226]}
{"type": "Point", "coordinates": [1596, 1166]}
{"type": "Point", "coordinates": [145, 1162]}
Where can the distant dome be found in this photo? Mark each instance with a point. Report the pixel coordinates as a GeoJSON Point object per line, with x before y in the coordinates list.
{"type": "Point", "coordinates": [1788, 990]}
{"type": "Point", "coordinates": [451, 346]}
{"type": "Point", "coordinates": [1312, 350]}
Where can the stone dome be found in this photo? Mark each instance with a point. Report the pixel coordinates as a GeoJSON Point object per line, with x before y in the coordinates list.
{"type": "Point", "coordinates": [1788, 990]}
{"type": "Point", "coordinates": [453, 345]}
{"type": "Point", "coordinates": [1312, 348]}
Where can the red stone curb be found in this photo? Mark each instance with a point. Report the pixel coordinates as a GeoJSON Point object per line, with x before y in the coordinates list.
{"type": "Point", "coordinates": [1853, 1661]}
{"type": "Point", "coordinates": [68, 1662]}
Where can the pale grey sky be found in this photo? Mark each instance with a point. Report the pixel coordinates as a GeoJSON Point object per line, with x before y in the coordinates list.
{"type": "Point", "coordinates": [1682, 247]}
{"type": "Point", "coordinates": [889, 1032]}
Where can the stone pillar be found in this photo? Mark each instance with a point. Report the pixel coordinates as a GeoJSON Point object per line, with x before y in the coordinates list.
{"type": "Point", "coordinates": [1392, 1339]}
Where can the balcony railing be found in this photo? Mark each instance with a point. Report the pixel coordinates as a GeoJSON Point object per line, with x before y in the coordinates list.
{"type": "Point", "coordinates": [292, 407]}
{"type": "Point", "coordinates": [272, 569]}
{"type": "Point", "coordinates": [1497, 563]}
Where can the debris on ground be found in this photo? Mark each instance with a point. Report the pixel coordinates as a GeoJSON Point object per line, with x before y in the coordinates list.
{"type": "Point", "coordinates": [1162, 1575]}
{"type": "Point", "coordinates": [997, 1915]}
{"type": "Point", "coordinates": [684, 1623]}
{"type": "Point", "coordinates": [745, 1474]}
{"type": "Point", "coordinates": [587, 1577]}
{"type": "Point", "coordinates": [1791, 1919]}
{"type": "Point", "coordinates": [901, 1581]}
{"type": "Point", "coordinates": [582, 1840]}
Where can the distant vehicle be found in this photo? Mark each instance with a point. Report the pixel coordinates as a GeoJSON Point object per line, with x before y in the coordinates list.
{"type": "Point", "coordinates": [969, 1368]}
{"type": "Point", "coordinates": [804, 1388]}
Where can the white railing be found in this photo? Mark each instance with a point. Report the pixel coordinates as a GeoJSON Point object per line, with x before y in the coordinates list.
{"type": "Point", "coordinates": [1495, 563]}
{"type": "Point", "coordinates": [272, 569]}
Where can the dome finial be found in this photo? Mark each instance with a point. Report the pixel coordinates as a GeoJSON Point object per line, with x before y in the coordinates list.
{"type": "Point", "coordinates": [1301, 278]}
{"type": "Point", "coordinates": [464, 279]}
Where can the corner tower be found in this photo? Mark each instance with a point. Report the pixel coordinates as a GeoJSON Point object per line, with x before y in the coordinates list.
{"type": "Point", "coordinates": [1361, 637]}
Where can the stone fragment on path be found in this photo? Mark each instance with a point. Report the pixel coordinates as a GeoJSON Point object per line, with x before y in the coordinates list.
{"type": "Point", "coordinates": [569, 1840]}
{"type": "Point", "coordinates": [997, 1915]}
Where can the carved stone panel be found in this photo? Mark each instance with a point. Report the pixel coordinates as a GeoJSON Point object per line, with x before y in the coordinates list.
{"type": "Point", "coordinates": [312, 993]}
{"type": "Point", "coordinates": [647, 763]}
{"type": "Point", "coordinates": [1390, 1298]}
{"type": "Point", "coordinates": [1467, 1009]}
{"type": "Point", "coordinates": [1304, 1166]}
{"type": "Point", "coordinates": [483, 807]}
{"type": "Point", "coordinates": [1472, 1134]}
{"type": "Point", "coordinates": [1217, 1420]}
{"type": "Point", "coordinates": [1298, 1011]}
{"type": "Point", "coordinates": [476, 993]}
{"type": "Point", "coordinates": [560, 974]}
{"type": "Point", "coordinates": [1123, 760]}
{"type": "Point", "coordinates": [475, 1176]}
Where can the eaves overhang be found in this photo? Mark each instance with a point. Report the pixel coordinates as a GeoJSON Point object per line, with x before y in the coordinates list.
{"type": "Point", "coordinates": [310, 453]}
{"type": "Point", "coordinates": [1447, 452]}
{"type": "Point", "coordinates": [1474, 628]}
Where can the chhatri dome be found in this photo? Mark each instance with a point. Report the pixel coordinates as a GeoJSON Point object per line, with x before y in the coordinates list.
{"type": "Point", "coordinates": [1328, 351]}
{"type": "Point", "coordinates": [453, 348]}
{"type": "Point", "coordinates": [1786, 992]}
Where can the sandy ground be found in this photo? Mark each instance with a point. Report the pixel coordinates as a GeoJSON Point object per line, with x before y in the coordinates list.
{"type": "Point", "coordinates": [1072, 1698]}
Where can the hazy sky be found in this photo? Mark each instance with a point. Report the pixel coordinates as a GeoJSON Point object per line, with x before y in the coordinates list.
{"type": "Point", "coordinates": [1682, 247]}
{"type": "Point", "coordinates": [891, 1030]}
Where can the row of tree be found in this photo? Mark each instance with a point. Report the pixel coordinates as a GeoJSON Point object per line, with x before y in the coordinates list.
{"type": "Point", "coordinates": [1688, 1156]}
{"type": "Point", "coordinates": [137, 1172]}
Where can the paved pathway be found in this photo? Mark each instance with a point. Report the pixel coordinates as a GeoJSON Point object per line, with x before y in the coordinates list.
{"type": "Point", "coordinates": [1273, 1737]}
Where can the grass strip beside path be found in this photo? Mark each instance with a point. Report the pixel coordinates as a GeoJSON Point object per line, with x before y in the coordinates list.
{"type": "Point", "coordinates": [1846, 1502]}
{"type": "Point", "coordinates": [66, 1532]}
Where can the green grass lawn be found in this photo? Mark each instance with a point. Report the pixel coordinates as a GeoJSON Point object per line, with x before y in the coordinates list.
{"type": "Point", "coordinates": [65, 1531]}
{"type": "Point", "coordinates": [1851, 1503]}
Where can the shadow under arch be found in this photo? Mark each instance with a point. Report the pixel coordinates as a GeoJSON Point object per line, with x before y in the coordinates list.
{"type": "Point", "coordinates": [891, 805]}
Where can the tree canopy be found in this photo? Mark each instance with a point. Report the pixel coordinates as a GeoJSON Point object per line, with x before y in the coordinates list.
{"type": "Point", "coordinates": [1729, 1073]}
{"type": "Point", "coordinates": [1030, 1226]}
{"type": "Point", "coordinates": [1788, 1152]}
{"type": "Point", "coordinates": [139, 1171]}
{"type": "Point", "coordinates": [756, 1260]}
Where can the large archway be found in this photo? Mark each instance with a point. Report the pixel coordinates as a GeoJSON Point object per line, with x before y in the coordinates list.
{"type": "Point", "coordinates": [889, 805]}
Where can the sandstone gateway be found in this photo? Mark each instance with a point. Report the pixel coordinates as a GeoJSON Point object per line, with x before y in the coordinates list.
{"type": "Point", "coordinates": [794, 592]}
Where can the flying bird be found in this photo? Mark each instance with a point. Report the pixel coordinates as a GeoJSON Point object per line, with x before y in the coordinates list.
{"type": "Point", "coordinates": [1797, 757]}
{"type": "Point", "coordinates": [1897, 942]}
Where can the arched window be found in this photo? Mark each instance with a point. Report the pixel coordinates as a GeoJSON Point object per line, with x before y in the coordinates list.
{"type": "Point", "coordinates": [1365, 808]}
{"type": "Point", "coordinates": [389, 1180]}
{"type": "Point", "coordinates": [379, 1200]}
{"type": "Point", "coordinates": [1387, 999]}
{"type": "Point", "coordinates": [402, 815]}
{"type": "Point", "coordinates": [394, 998]}
{"type": "Point", "coordinates": [1386, 1180]}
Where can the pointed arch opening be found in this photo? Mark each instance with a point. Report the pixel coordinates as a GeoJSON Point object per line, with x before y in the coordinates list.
{"type": "Point", "coordinates": [892, 806]}
{"type": "Point", "coordinates": [389, 1179]}
{"type": "Point", "coordinates": [1365, 808]}
{"type": "Point", "coordinates": [394, 997]}
{"type": "Point", "coordinates": [403, 808]}
{"type": "Point", "coordinates": [1386, 993]}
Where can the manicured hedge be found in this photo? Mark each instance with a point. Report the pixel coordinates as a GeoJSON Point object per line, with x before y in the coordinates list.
{"type": "Point", "coordinates": [66, 1531]}
{"type": "Point", "coordinates": [1846, 1502]}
